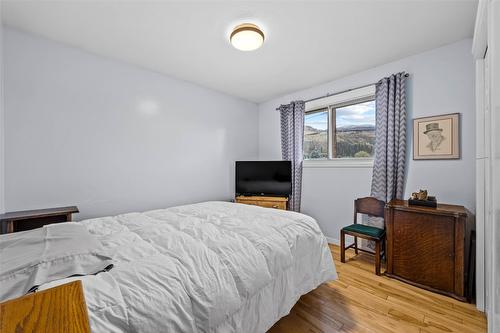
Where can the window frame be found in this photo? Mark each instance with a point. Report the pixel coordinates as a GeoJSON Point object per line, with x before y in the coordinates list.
{"type": "Point", "coordinates": [332, 103]}
{"type": "Point", "coordinates": [328, 134]}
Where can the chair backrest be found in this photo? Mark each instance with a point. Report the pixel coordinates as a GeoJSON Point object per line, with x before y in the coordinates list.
{"type": "Point", "coordinates": [369, 206]}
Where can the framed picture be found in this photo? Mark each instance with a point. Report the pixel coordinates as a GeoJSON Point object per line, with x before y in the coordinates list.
{"type": "Point", "coordinates": [437, 137]}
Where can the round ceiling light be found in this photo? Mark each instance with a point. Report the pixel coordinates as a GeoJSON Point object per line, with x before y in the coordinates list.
{"type": "Point", "coordinates": [247, 37]}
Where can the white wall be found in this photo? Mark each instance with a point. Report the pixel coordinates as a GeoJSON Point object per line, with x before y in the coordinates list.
{"type": "Point", "coordinates": [441, 81]}
{"type": "Point", "coordinates": [110, 137]}
{"type": "Point", "coordinates": [107, 136]}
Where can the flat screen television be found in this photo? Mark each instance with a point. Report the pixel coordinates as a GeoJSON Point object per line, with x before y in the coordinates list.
{"type": "Point", "coordinates": [273, 178]}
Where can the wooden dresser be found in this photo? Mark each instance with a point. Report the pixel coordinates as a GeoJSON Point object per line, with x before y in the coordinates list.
{"type": "Point", "coordinates": [429, 247]}
{"type": "Point", "coordinates": [32, 219]}
{"type": "Point", "coordinates": [59, 309]}
{"type": "Point", "coordinates": [262, 201]}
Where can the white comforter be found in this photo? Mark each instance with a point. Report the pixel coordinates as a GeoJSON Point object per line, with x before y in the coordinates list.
{"type": "Point", "coordinates": [207, 267]}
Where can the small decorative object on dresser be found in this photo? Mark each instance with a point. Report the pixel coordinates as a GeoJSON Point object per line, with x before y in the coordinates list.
{"type": "Point", "coordinates": [32, 219]}
{"type": "Point", "coordinates": [436, 138]}
{"type": "Point", "coordinates": [431, 247]}
{"type": "Point", "coordinates": [421, 198]}
{"type": "Point", "coordinates": [58, 309]}
{"type": "Point", "coordinates": [263, 201]}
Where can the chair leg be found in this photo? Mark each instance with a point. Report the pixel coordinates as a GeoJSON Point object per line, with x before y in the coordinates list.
{"type": "Point", "coordinates": [356, 245]}
{"type": "Point", "coordinates": [342, 246]}
{"type": "Point", "coordinates": [377, 257]}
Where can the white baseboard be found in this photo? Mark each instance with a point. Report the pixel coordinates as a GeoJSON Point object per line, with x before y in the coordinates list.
{"type": "Point", "coordinates": [336, 241]}
{"type": "Point", "coordinates": [332, 240]}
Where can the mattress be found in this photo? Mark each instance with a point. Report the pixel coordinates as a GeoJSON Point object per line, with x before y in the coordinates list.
{"type": "Point", "coordinates": [206, 267]}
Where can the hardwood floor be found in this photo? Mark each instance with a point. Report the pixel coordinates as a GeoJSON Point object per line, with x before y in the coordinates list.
{"type": "Point", "coordinates": [360, 301]}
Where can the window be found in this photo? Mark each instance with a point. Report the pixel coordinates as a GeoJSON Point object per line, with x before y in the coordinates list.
{"type": "Point", "coordinates": [316, 134]}
{"type": "Point", "coordinates": [341, 126]}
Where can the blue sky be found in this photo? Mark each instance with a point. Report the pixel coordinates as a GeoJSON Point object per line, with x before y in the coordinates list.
{"type": "Point", "coordinates": [358, 114]}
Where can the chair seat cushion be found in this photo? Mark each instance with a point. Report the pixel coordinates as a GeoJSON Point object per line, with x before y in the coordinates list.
{"type": "Point", "coordinates": [365, 230]}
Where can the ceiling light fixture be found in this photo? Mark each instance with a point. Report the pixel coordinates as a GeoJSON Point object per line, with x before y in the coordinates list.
{"type": "Point", "coordinates": [247, 37]}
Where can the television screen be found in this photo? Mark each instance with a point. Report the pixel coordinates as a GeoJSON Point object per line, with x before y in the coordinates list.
{"type": "Point", "coordinates": [264, 178]}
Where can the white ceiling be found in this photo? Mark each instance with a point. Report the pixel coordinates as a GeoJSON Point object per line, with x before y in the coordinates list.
{"type": "Point", "coordinates": [307, 43]}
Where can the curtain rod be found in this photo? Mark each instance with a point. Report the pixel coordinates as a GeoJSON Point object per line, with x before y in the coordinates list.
{"type": "Point", "coordinates": [344, 91]}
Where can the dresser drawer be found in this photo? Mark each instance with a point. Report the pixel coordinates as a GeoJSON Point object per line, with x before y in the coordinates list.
{"type": "Point", "coordinates": [271, 204]}
{"type": "Point", "coordinates": [424, 249]}
{"type": "Point", "coordinates": [248, 202]}
{"type": "Point", "coordinates": [268, 202]}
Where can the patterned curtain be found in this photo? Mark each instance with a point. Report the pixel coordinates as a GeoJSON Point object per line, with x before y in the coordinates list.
{"type": "Point", "coordinates": [292, 140]}
{"type": "Point", "coordinates": [390, 139]}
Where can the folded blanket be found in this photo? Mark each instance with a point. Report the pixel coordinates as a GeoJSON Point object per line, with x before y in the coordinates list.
{"type": "Point", "coordinates": [55, 251]}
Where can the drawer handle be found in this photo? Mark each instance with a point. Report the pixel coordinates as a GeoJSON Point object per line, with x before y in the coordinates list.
{"type": "Point", "coordinates": [275, 206]}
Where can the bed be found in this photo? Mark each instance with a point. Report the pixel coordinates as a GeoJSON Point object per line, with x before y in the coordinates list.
{"type": "Point", "coordinates": [206, 267]}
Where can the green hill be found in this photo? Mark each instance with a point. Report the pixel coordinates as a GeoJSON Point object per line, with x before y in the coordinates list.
{"type": "Point", "coordinates": [352, 141]}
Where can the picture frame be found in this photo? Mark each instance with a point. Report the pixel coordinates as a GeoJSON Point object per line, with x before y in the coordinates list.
{"type": "Point", "coordinates": [436, 137]}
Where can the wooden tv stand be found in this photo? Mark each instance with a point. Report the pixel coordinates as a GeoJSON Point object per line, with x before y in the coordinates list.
{"type": "Point", "coordinates": [263, 201]}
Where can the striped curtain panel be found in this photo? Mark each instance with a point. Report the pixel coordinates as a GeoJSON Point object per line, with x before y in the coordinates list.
{"type": "Point", "coordinates": [292, 141]}
{"type": "Point", "coordinates": [388, 178]}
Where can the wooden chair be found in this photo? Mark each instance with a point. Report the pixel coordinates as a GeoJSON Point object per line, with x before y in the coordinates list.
{"type": "Point", "coordinates": [371, 207]}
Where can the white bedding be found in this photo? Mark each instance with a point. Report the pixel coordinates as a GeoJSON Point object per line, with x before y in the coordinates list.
{"type": "Point", "coordinates": [207, 267]}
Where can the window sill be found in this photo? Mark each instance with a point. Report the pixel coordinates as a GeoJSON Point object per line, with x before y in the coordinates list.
{"type": "Point", "coordinates": [340, 163]}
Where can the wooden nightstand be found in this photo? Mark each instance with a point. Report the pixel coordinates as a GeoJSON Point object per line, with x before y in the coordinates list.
{"type": "Point", "coordinates": [269, 202]}
{"type": "Point", "coordinates": [59, 309]}
{"type": "Point", "coordinates": [32, 219]}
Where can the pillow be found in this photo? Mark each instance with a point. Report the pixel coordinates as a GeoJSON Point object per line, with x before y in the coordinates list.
{"type": "Point", "coordinates": [55, 251]}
